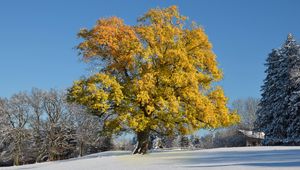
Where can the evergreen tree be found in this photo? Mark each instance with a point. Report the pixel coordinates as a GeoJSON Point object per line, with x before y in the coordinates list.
{"type": "Point", "coordinates": [277, 131]}
{"type": "Point", "coordinates": [293, 54]}
{"type": "Point", "coordinates": [270, 95]}
{"type": "Point", "coordinates": [278, 105]}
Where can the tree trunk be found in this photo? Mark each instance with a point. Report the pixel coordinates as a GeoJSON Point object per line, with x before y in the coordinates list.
{"type": "Point", "coordinates": [17, 156]}
{"type": "Point", "coordinates": [17, 160]}
{"type": "Point", "coordinates": [142, 142]}
{"type": "Point", "coordinates": [51, 155]}
{"type": "Point", "coordinates": [81, 149]}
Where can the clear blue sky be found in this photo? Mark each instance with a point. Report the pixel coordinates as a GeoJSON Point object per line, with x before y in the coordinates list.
{"type": "Point", "coordinates": [37, 38]}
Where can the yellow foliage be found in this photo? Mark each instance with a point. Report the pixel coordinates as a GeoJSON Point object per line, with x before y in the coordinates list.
{"type": "Point", "coordinates": [99, 93]}
{"type": "Point", "coordinates": [157, 75]}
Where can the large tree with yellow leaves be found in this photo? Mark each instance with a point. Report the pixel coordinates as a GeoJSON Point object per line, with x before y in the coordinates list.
{"type": "Point", "coordinates": [156, 76]}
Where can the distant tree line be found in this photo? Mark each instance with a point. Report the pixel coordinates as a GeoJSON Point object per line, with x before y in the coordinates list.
{"type": "Point", "coordinates": [41, 126]}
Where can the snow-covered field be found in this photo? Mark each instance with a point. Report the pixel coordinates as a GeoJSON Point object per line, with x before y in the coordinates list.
{"type": "Point", "coordinates": [221, 158]}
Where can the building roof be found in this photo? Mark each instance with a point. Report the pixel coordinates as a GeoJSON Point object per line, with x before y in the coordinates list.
{"type": "Point", "coordinates": [252, 134]}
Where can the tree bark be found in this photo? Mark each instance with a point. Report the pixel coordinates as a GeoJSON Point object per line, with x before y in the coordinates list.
{"type": "Point", "coordinates": [17, 161]}
{"type": "Point", "coordinates": [142, 142]}
{"type": "Point", "coordinates": [81, 149]}
{"type": "Point", "coordinates": [17, 156]}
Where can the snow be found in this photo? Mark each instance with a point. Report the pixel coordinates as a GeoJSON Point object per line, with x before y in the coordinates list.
{"type": "Point", "coordinates": [243, 158]}
{"type": "Point", "coordinates": [252, 134]}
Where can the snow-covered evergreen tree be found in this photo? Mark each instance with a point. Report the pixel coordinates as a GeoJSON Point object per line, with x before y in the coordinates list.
{"type": "Point", "coordinates": [279, 94]}
{"type": "Point", "coordinates": [292, 52]}
{"type": "Point", "coordinates": [270, 94]}
{"type": "Point", "coordinates": [277, 133]}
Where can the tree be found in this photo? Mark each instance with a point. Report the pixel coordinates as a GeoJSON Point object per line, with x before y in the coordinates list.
{"type": "Point", "coordinates": [196, 141]}
{"type": "Point", "coordinates": [292, 52]}
{"type": "Point", "coordinates": [60, 134]}
{"type": "Point", "coordinates": [155, 76]}
{"type": "Point", "coordinates": [246, 108]}
{"type": "Point", "coordinates": [36, 122]}
{"type": "Point", "coordinates": [184, 142]}
{"type": "Point", "coordinates": [4, 121]}
{"type": "Point", "coordinates": [231, 137]}
{"type": "Point", "coordinates": [40, 126]}
{"type": "Point", "coordinates": [88, 128]}
{"type": "Point", "coordinates": [273, 93]}
{"type": "Point", "coordinates": [208, 140]}
{"type": "Point", "coordinates": [5, 137]}
{"type": "Point", "coordinates": [279, 102]}
{"type": "Point", "coordinates": [157, 143]}
{"type": "Point", "coordinates": [169, 141]}
{"type": "Point", "coordinates": [16, 110]}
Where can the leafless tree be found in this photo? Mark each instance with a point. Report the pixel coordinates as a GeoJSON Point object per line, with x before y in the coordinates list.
{"type": "Point", "coordinates": [36, 121]}
{"type": "Point", "coordinates": [41, 125]}
{"type": "Point", "coordinates": [17, 112]}
{"type": "Point", "coordinates": [5, 140]}
{"type": "Point", "coordinates": [88, 128]}
{"type": "Point", "coordinates": [246, 109]}
{"type": "Point", "coordinates": [59, 131]}
{"type": "Point", "coordinates": [230, 137]}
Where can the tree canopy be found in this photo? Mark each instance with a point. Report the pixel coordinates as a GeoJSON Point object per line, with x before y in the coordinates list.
{"type": "Point", "coordinates": [157, 75]}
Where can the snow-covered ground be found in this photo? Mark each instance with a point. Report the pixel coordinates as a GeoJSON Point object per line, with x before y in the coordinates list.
{"type": "Point", "coordinates": [221, 158]}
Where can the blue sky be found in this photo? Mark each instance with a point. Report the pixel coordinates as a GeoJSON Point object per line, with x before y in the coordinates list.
{"type": "Point", "coordinates": [37, 38]}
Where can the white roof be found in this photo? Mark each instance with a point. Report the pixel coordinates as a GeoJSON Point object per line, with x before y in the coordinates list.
{"type": "Point", "coordinates": [252, 134]}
